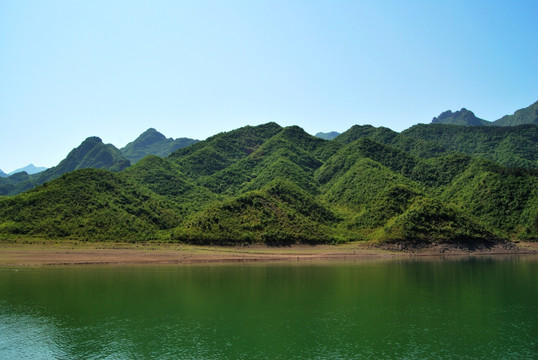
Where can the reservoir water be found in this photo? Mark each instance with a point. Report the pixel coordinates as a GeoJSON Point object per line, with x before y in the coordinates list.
{"type": "Point", "coordinates": [475, 308]}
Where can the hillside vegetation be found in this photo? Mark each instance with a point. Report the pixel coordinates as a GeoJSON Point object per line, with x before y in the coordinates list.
{"type": "Point", "coordinates": [464, 117]}
{"type": "Point", "coordinates": [279, 186]}
{"type": "Point", "coordinates": [509, 146]}
{"type": "Point", "coordinates": [152, 142]}
{"type": "Point", "coordinates": [91, 153]}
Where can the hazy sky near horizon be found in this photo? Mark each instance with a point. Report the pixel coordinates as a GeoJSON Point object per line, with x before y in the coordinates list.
{"type": "Point", "coordinates": [73, 69]}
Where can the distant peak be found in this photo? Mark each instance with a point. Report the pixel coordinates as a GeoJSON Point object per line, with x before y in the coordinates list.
{"type": "Point", "coordinates": [528, 115]}
{"type": "Point", "coordinates": [93, 139]}
{"type": "Point", "coordinates": [442, 116]}
{"type": "Point", "coordinates": [461, 117]}
{"type": "Point", "coordinates": [294, 128]}
{"type": "Point", "coordinates": [151, 135]}
{"type": "Point", "coordinates": [150, 131]}
{"type": "Point", "coordinates": [357, 127]}
{"type": "Point", "coordinates": [30, 169]}
{"type": "Point", "coordinates": [87, 145]}
{"type": "Point", "coordinates": [446, 113]}
{"type": "Point", "coordinates": [270, 125]}
{"type": "Point", "coordinates": [327, 135]}
{"type": "Point", "coordinates": [294, 131]}
{"type": "Point", "coordinates": [465, 111]}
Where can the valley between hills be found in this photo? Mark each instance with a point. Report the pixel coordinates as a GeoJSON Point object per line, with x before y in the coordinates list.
{"type": "Point", "coordinates": [436, 183]}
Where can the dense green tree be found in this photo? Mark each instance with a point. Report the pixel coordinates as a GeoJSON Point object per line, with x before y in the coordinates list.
{"type": "Point", "coordinates": [279, 186]}
{"type": "Point", "coordinates": [91, 153]}
{"type": "Point", "coordinates": [152, 142]}
{"type": "Point", "coordinates": [90, 205]}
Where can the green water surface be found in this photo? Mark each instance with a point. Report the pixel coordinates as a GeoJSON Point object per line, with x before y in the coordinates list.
{"type": "Point", "coordinates": [475, 308]}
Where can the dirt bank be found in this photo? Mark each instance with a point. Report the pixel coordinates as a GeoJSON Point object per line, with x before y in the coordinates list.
{"type": "Point", "coordinates": [75, 253]}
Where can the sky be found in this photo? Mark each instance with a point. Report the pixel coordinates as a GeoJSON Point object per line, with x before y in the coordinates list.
{"type": "Point", "coordinates": [73, 69]}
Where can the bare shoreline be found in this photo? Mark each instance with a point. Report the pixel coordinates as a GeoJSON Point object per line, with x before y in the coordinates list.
{"type": "Point", "coordinates": [75, 253]}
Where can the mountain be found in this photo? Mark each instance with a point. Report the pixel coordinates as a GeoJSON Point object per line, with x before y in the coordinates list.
{"type": "Point", "coordinates": [152, 142]}
{"type": "Point", "coordinates": [3, 174]}
{"type": "Point", "coordinates": [279, 185]}
{"type": "Point", "coordinates": [91, 153]}
{"type": "Point", "coordinates": [328, 135]}
{"type": "Point", "coordinates": [509, 146]}
{"type": "Point", "coordinates": [280, 213]}
{"type": "Point", "coordinates": [528, 115]}
{"type": "Point", "coordinates": [88, 204]}
{"type": "Point", "coordinates": [164, 178]}
{"type": "Point", "coordinates": [222, 150]}
{"type": "Point", "coordinates": [383, 135]}
{"type": "Point", "coordinates": [287, 155]}
{"type": "Point", "coordinates": [29, 169]}
{"type": "Point", "coordinates": [464, 117]}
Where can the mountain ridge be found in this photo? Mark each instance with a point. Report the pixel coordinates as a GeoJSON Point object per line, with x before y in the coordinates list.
{"type": "Point", "coordinates": [528, 115]}
{"type": "Point", "coordinates": [327, 135]}
{"type": "Point", "coordinates": [29, 169]}
{"type": "Point", "coordinates": [279, 185]}
{"type": "Point", "coordinates": [464, 117]}
{"type": "Point", "coordinates": [152, 142]}
{"type": "Point", "coordinates": [91, 153]}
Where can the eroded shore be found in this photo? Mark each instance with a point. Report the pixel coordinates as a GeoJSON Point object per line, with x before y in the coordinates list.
{"type": "Point", "coordinates": [82, 253]}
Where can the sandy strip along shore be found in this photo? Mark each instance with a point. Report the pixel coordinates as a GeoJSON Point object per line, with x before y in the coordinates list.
{"type": "Point", "coordinates": [77, 253]}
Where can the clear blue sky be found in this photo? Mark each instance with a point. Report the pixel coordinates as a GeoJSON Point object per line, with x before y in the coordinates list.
{"type": "Point", "coordinates": [73, 69]}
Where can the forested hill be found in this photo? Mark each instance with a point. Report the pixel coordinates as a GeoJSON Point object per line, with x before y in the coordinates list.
{"type": "Point", "coordinates": [275, 185]}
{"type": "Point", "coordinates": [464, 117]}
{"type": "Point", "coordinates": [91, 153]}
{"type": "Point", "coordinates": [528, 115]}
{"type": "Point", "coordinates": [515, 146]}
{"type": "Point", "coordinates": [152, 142]}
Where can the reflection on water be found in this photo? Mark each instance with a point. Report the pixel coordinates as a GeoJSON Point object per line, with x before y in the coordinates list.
{"type": "Point", "coordinates": [469, 308]}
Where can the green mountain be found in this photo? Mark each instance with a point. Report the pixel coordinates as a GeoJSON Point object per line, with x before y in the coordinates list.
{"type": "Point", "coordinates": [152, 142]}
{"type": "Point", "coordinates": [91, 153]}
{"type": "Point", "coordinates": [328, 135]}
{"type": "Point", "coordinates": [280, 213]}
{"type": "Point", "coordinates": [415, 146]}
{"type": "Point", "coordinates": [463, 117]}
{"type": "Point", "coordinates": [429, 220]}
{"type": "Point", "coordinates": [279, 186]}
{"type": "Point", "coordinates": [88, 204]}
{"type": "Point", "coordinates": [222, 150]}
{"type": "Point", "coordinates": [2, 174]}
{"type": "Point", "coordinates": [502, 198]}
{"type": "Point", "coordinates": [377, 184]}
{"type": "Point", "coordinates": [15, 183]}
{"type": "Point", "coordinates": [287, 155]}
{"type": "Point", "coordinates": [528, 115]}
{"type": "Point", "coordinates": [164, 178]}
{"type": "Point", "coordinates": [508, 146]}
